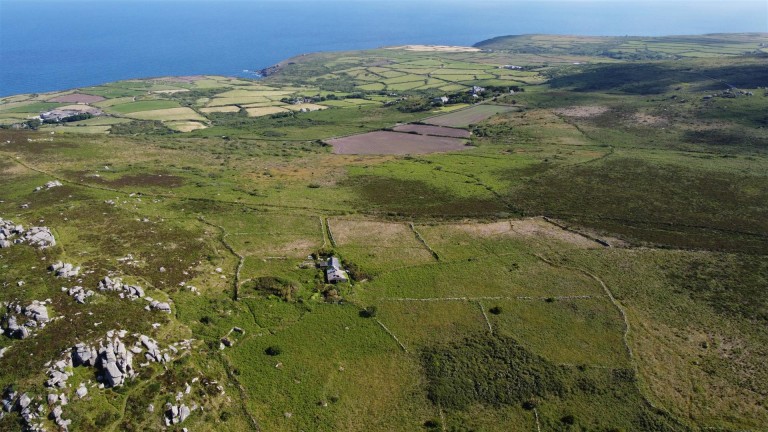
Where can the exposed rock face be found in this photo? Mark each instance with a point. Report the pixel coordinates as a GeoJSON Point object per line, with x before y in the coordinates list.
{"type": "Point", "coordinates": [9, 230]}
{"type": "Point", "coordinates": [50, 185]}
{"type": "Point", "coordinates": [39, 237]}
{"type": "Point", "coordinates": [83, 355]}
{"type": "Point", "coordinates": [115, 362]}
{"type": "Point", "coordinates": [175, 414]}
{"type": "Point", "coordinates": [35, 313]}
{"type": "Point", "coordinates": [79, 293]}
{"type": "Point", "coordinates": [107, 284]}
{"type": "Point", "coordinates": [29, 410]}
{"type": "Point", "coordinates": [153, 352]}
{"type": "Point", "coordinates": [113, 358]}
{"type": "Point", "coordinates": [161, 306]}
{"type": "Point", "coordinates": [57, 378]}
{"type": "Point", "coordinates": [82, 391]}
{"type": "Point", "coordinates": [131, 291]}
{"type": "Point", "coordinates": [64, 270]}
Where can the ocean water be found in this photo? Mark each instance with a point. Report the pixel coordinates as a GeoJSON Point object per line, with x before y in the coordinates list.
{"type": "Point", "coordinates": [50, 45]}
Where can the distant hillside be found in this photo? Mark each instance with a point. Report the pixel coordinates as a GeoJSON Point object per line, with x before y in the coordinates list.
{"type": "Point", "coordinates": [634, 47]}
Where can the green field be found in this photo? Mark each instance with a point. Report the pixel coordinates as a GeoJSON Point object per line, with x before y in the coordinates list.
{"type": "Point", "coordinates": [143, 106]}
{"type": "Point", "coordinates": [593, 260]}
{"type": "Point", "coordinates": [469, 116]}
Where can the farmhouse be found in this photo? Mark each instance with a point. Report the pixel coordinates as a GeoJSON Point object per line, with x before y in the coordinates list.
{"type": "Point", "coordinates": [334, 272]}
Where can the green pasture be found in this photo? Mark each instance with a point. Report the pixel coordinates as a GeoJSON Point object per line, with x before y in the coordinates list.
{"type": "Point", "coordinates": [468, 319]}
{"type": "Point", "coordinates": [146, 105]}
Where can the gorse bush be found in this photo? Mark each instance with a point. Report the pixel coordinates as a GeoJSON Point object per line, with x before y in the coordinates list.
{"type": "Point", "coordinates": [491, 370]}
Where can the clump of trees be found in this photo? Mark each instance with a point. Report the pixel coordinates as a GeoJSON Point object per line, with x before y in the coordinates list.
{"type": "Point", "coordinates": [415, 104]}
{"type": "Point", "coordinates": [355, 272]}
{"type": "Point", "coordinates": [69, 119]}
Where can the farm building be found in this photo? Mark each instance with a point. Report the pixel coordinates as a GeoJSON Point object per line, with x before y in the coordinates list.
{"type": "Point", "coordinates": [334, 273]}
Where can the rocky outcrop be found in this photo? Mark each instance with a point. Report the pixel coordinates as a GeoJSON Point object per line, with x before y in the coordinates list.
{"type": "Point", "coordinates": [64, 270]}
{"type": "Point", "coordinates": [79, 293]}
{"type": "Point", "coordinates": [115, 362]}
{"type": "Point", "coordinates": [130, 291]}
{"type": "Point", "coordinates": [35, 314]}
{"type": "Point", "coordinates": [160, 306]}
{"type": "Point", "coordinates": [11, 233]}
{"type": "Point", "coordinates": [83, 355]}
{"type": "Point", "coordinates": [30, 411]}
{"type": "Point", "coordinates": [40, 237]}
{"type": "Point", "coordinates": [50, 185]}
{"type": "Point", "coordinates": [58, 374]}
{"type": "Point", "coordinates": [175, 414]}
{"type": "Point", "coordinates": [37, 311]}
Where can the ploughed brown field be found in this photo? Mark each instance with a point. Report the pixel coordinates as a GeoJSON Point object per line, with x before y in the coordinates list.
{"type": "Point", "coordinates": [433, 130]}
{"type": "Point", "coordinates": [77, 98]}
{"type": "Point", "coordinates": [381, 142]}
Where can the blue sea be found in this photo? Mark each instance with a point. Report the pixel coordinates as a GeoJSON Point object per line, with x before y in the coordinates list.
{"type": "Point", "coordinates": [50, 45]}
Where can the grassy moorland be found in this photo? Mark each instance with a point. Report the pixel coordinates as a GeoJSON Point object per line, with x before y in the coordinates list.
{"type": "Point", "coordinates": [593, 260]}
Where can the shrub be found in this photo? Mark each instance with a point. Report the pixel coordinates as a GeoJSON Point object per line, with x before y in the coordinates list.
{"type": "Point", "coordinates": [355, 272]}
{"type": "Point", "coordinates": [491, 370]}
{"type": "Point", "coordinates": [273, 350]}
{"type": "Point", "coordinates": [529, 405]}
{"type": "Point", "coordinates": [568, 419]}
{"type": "Point", "coordinates": [496, 310]}
{"type": "Point", "coordinates": [279, 287]}
{"type": "Point", "coordinates": [369, 312]}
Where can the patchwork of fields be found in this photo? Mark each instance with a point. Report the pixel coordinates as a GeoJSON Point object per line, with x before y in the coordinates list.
{"type": "Point", "coordinates": [585, 252]}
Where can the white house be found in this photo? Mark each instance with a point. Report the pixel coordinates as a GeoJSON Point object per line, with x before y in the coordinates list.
{"type": "Point", "coordinates": [334, 272]}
